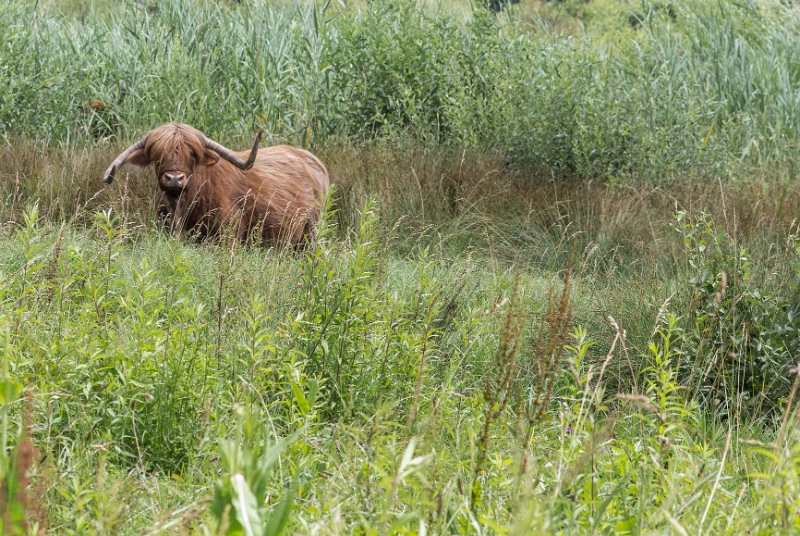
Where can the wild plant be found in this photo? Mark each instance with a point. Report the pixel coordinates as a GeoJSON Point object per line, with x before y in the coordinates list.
{"type": "Point", "coordinates": [741, 325]}
{"type": "Point", "coordinates": [17, 508]}
{"type": "Point", "coordinates": [240, 494]}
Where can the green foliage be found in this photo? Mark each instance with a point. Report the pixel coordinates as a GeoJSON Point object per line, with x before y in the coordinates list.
{"type": "Point", "coordinates": [14, 514]}
{"type": "Point", "coordinates": [707, 89]}
{"type": "Point", "coordinates": [441, 360]}
{"type": "Point", "coordinates": [241, 493]}
{"type": "Point", "coordinates": [418, 393]}
{"type": "Point", "coordinates": [393, 61]}
{"type": "Point", "coordinates": [745, 323]}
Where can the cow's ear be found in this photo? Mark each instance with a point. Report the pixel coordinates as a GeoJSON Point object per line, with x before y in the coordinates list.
{"type": "Point", "coordinates": [211, 157]}
{"type": "Point", "coordinates": [138, 158]}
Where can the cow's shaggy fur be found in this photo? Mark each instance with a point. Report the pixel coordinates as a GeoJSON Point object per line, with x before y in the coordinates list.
{"type": "Point", "coordinates": [277, 199]}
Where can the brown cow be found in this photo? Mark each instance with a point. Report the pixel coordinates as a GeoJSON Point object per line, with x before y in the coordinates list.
{"type": "Point", "coordinates": [274, 194]}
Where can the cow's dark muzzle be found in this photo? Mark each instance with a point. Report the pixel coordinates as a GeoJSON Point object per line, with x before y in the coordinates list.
{"type": "Point", "coordinates": [173, 193]}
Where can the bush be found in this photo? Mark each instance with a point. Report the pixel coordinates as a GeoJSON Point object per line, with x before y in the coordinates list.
{"type": "Point", "coordinates": [743, 340]}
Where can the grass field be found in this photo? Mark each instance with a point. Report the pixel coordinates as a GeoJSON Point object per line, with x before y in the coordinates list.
{"type": "Point", "coordinates": [555, 292]}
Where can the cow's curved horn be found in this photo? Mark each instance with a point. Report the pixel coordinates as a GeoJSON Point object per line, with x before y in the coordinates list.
{"type": "Point", "coordinates": [234, 158]}
{"type": "Point", "coordinates": [112, 169]}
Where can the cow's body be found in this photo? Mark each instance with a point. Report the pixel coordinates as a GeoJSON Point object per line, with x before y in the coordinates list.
{"type": "Point", "coordinates": [275, 196]}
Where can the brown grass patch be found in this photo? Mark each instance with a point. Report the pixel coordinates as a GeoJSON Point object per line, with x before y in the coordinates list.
{"type": "Point", "coordinates": [476, 198]}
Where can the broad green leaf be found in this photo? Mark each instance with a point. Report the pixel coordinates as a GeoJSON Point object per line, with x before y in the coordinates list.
{"type": "Point", "coordinates": [244, 502]}
{"type": "Point", "coordinates": [273, 453]}
{"type": "Point", "coordinates": [280, 515]}
{"type": "Point", "coordinates": [302, 403]}
{"type": "Point", "coordinates": [10, 391]}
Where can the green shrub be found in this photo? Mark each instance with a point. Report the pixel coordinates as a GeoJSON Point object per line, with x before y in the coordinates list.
{"type": "Point", "coordinates": [744, 341]}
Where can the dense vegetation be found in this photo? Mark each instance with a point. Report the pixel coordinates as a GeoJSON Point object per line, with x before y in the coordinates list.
{"type": "Point", "coordinates": [556, 290]}
{"type": "Point", "coordinates": [701, 88]}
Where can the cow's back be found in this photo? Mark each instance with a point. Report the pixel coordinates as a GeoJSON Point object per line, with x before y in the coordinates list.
{"type": "Point", "coordinates": [290, 168]}
{"type": "Point", "coordinates": [288, 185]}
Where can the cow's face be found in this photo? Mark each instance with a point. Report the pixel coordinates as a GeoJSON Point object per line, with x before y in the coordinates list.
{"type": "Point", "coordinates": [177, 153]}
{"type": "Point", "coordinates": [175, 171]}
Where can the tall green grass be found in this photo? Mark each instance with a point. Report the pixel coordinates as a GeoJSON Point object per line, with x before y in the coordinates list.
{"type": "Point", "coordinates": [421, 393]}
{"type": "Point", "coordinates": [708, 90]}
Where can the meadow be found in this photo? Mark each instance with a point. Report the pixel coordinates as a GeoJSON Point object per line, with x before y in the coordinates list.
{"type": "Point", "coordinates": [556, 289]}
